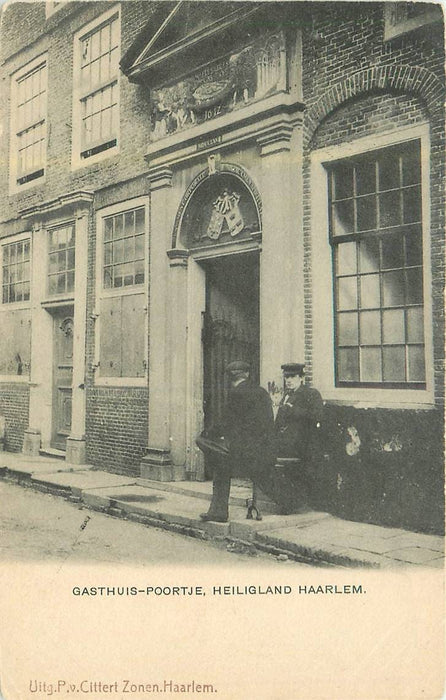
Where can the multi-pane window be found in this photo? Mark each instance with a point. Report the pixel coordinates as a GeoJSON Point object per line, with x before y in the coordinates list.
{"type": "Point", "coordinates": [16, 271]}
{"type": "Point", "coordinates": [99, 65]}
{"type": "Point", "coordinates": [123, 241]}
{"type": "Point", "coordinates": [30, 130]}
{"type": "Point", "coordinates": [61, 259]}
{"type": "Point", "coordinates": [376, 236]}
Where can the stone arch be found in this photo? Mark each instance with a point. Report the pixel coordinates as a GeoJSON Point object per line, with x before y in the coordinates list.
{"type": "Point", "coordinates": [236, 171]}
{"type": "Point", "coordinates": [414, 80]}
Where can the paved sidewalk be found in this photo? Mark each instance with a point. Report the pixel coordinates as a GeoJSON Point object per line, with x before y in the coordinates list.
{"type": "Point", "coordinates": [314, 537]}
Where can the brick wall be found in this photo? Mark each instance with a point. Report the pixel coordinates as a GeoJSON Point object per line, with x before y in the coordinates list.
{"type": "Point", "coordinates": [356, 85]}
{"type": "Point", "coordinates": [55, 36]}
{"type": "Point", "coordinates": [14, 405]}
{"type": "Point", "coordinates": [117, 428]}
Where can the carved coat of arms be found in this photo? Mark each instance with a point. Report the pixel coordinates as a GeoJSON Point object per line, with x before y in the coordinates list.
{"type": "Point", "coordinates": [225, 209]}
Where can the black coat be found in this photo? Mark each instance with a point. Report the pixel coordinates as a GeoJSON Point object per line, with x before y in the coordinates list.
{"type": "Point", "coordinates": [248, 427]}
{"type": "Point", "coordinates": [296, 421]}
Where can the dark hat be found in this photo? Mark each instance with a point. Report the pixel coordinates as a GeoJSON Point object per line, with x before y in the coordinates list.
{"type": "Point", "coordinates": [293, 368]}
{"type": "Point", "coordinates": [238, 366]}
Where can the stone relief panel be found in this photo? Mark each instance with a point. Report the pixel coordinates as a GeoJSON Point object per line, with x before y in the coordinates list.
{"type": "Point", "coordinates": [227, 84]}
{"type": "Point", "coordinates": [221, 210]}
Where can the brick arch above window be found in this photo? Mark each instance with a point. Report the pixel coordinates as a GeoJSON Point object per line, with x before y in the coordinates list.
{"type": "Point", "coordinates": [414, 80]}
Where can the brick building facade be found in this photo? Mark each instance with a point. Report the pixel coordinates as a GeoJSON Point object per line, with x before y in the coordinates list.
{"type": "Point", "coordinates": [190, 182]}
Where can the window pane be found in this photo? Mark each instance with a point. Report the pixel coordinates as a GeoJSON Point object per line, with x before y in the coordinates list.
{"type": "Point", "coordinates": [129, 219]}
{"type": "Point", "coordinates": [108, 229]}
{"type": "Point", "coordinates": [392, 251]}
{"type": "Point", "coordinates": [393, 288]}
{"type": "Point", "coordinates": [108, 257]}
{"type": "Point", "coordinates": [117, 281]}
{"type": "Point", "coordinates": [394, 364]}
{"type": "Point", "coordinates": [129, 249]}
{"type": "Point", "coordinates": [70, 281]}
{"type": "Point", "coordinates": [414, 250]}
{"type": "Point", "coordinates": [412, 205]}
{"type": "Point", "coordinates": [389, 209]}
{"type": "Point", "coordinates": [139, 271]}
{"type": "Point", "coordinates": [388, 171]}
{"type": "Point", "coordinates": [347, 293]}
{"type": "Point", "coordinates": [366, 213]}
{"type": "Point", "coordinates": [365, 177]}
{"type": "Point", "coordinates": [108, 277]}
{"type": "Point", "coordinates": [415, 325]}
{"type": "Point", "coordinates": [60, 283]}
{"type": "Point", "coordinates": [118, 226]}
{"type": "Point", "coordinates": [346, 258]}
{"type": "Point", "coordinates": [414, 286]}
{"type": "Point", "coordinates": [417, 370]}
{"type": "Point", "coordinates": [139, 220]}
{"type": "Point", "coordinates": [53, 263]}
{"type": "Point", "coordinates": [370, 295]}
{"type": "Point", "coordinates": [348, 329]}
{"type": "Point", "coordinates": [348, 365]}
{"type": "Point", "coordinates": [412, 165]}
{"type": "Point", "coordinates": [370, 327]}
{"type": "Point", "coordinates": [371, 365]}
{"type": "Point", "coordinates": [139, 246]}
{"type": "Point", "coordinates": [393, 326]}
{"type": "Point", "coordinates": [343, 217]}
{"type": "Point", "coordinates": [52, 285]}
{"type": "Point", "coordinates": [369, 254]}
{"type": "Point", "coordinates": [127, 273]}
{"type": "Point", "coordinates": [343, 182]}
{"type": "Point", "coordinates": [118, 251]}
{"type": "Point", "coordinates": [70, 259]}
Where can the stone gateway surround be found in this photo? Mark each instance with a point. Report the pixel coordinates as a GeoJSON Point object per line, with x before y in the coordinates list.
{"type": "Point", "coordinates": [197, 182]}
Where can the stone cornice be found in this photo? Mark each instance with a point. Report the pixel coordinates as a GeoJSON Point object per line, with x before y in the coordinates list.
{"type": "Point", "coordinates": [160, 177]}
{"type": "Point", "coordinates": [73, 201]}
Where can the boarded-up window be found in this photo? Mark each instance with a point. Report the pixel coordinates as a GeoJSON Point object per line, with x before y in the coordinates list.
{"type": "Point", "coordinates": [15, 342]}
{"type": "Point", "coordinates": [122, 336]}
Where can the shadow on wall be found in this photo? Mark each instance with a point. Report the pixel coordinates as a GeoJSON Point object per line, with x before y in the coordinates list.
{"type": "Point", "coordinates": [379, 466]}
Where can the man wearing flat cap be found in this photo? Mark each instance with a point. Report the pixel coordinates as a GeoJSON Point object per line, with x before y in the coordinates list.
{"type": "Point", "coordinates": [248, 431]}
{"type": "Point", "coordinates": [299, 413]}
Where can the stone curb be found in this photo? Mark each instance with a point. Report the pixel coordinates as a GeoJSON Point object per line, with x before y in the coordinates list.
{"type": "Point", "coordinates": [222, 532]}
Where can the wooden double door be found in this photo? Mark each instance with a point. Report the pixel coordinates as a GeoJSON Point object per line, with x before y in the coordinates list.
{"type": "Point", "coordinates": [62, 376]}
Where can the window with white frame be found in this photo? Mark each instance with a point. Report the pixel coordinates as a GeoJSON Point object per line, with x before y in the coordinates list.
{"type": "Point", "coordinates": [97, 52]}
{"type": "Point", "coordinates": [122, 293]}
{"type": "Point", "coordinates": [28, 125]}
{"type": "Point", "coordinates": [16, 272]}
{"type": "Point", "coordinates": [375, 221]}
{"type": "Point", "coordinates": [61, 260]}
{"type": "Point", "coordinates": [15, 314]}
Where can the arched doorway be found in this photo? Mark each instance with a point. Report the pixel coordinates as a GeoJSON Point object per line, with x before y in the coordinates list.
{"type": "Point", "coordinates": [220, 228]}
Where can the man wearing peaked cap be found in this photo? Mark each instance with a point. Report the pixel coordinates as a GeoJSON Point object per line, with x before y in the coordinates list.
{"type": "Point", "coordinates": [299, 413]}
{"type": "Point", "coordinates": [248, 432]}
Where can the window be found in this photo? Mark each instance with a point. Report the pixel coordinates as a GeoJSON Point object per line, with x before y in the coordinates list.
{"type": "Point", "coordinates": [61, 260]}
{"type": "Point", "coordinates": [121, 272]}
{"type": "Point", "coordinates": [123, 238]}
{"type": "Point", "coordinates": [375, 222]}
{"type": "Point", "coordinates": [16, 271]}
{"type": "Point", "coordinates": [29, 100]}
{"type": "Point", "coordinates": [15, 314]}
{"type": "Point", "coordinates": [97, 53]}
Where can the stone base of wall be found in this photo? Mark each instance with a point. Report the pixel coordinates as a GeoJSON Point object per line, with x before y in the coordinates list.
{"type": "Point", "coordinates": [380, 466]}
{"type": "Point", "coordinates": [14, 406]}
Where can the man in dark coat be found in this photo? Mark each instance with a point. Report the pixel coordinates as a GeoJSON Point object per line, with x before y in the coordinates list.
{"type": "Point", "coordinates": [248, 432]}
{"type": "Point", "coordinates": [299, 414]}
